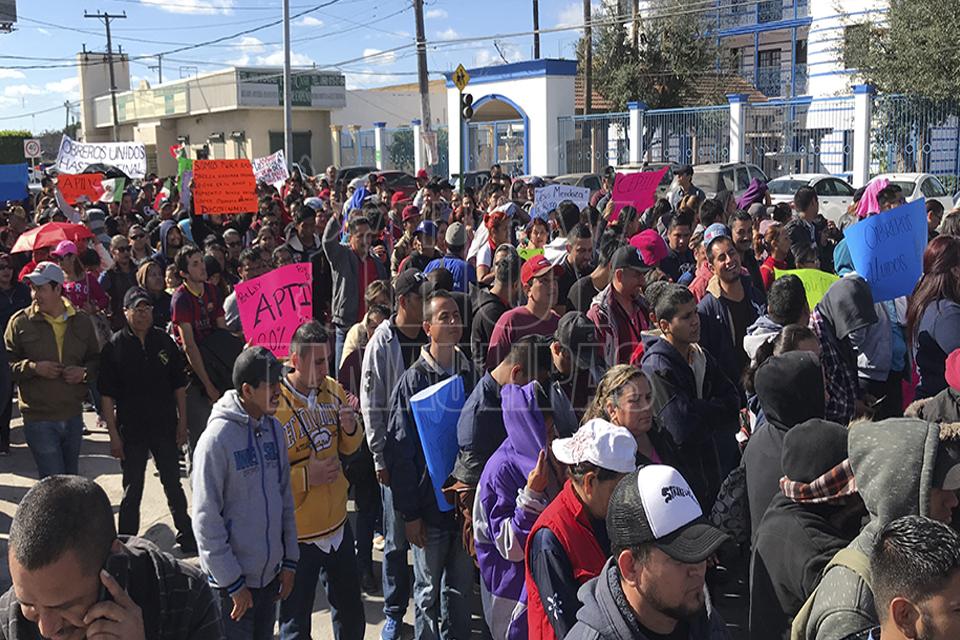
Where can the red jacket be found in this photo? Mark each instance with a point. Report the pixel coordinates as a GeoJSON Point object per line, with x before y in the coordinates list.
{"type": "Point", "coordinates": [567, 518]}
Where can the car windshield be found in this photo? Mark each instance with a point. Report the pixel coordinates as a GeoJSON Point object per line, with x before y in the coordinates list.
{"type": "Point", "coordinates": [786, 187]}
{"type": "Point", "coordinates": [906, 187]}
{"type": "Point", "coordinates": [706, 180]}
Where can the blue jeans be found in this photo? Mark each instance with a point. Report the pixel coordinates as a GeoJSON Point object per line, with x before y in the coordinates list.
{"type": "Point", "coordinates": [55, 445]}
{"type": "Point", "coordinates": [442, 586]}
{"type": "Point", "coordinates": [338, 573]}
{"type": "Point", "coordinates": [396, 571]}
{"type": "Point", "coordinates": [258, 622]}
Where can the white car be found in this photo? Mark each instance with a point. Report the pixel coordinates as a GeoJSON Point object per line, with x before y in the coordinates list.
{"type": "Point", "coordinates": [920, 185]}
{"type": "Point", "coordinates": [834, 193]}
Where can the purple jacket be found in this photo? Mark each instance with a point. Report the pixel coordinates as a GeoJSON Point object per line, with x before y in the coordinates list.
{"type": "Point", "coordinates": [505, 510]}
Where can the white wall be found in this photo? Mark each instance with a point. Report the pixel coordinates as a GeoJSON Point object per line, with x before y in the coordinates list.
{"type": "Point", "coordinates": [824, 63]}
{"type": "Point", "coordinates": [395, 107]}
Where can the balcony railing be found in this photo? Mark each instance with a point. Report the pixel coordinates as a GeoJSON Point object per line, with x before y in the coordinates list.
{"type": "Point", "coordinates": [775, 82]}
{"type": "Point", "coordinates": [737, 13]}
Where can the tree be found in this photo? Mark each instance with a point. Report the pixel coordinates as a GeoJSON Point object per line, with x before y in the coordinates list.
{"type": "Point", "coordinates": [401, 150]}
{"type": "Point", "coordinates": [11, 146]}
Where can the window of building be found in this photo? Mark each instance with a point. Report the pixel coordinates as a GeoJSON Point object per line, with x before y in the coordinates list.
{"type": "Point", "coordinates": [768, 58]}
{"type": "Point", "coordinates": [800, 55]}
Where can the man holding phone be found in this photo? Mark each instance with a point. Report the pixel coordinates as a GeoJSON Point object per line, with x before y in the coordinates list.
{"type": "Point", "coordinates": [73, 578]}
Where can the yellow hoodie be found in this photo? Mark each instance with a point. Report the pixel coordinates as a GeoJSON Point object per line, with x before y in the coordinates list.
{"type": "Point", "coordinates": [311, 426]}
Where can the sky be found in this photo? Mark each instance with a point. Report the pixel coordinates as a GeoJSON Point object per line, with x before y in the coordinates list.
{"type": "Point", "coordinates": [347, 34]}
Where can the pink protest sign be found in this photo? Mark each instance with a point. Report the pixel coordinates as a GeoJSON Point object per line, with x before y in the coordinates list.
{"type": "Point", "coordinates": [635, 189]}
{"type": "Point", "coordinates": [274, 305]}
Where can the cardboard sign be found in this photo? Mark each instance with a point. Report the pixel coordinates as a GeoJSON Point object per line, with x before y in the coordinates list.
{"type": "Point", "coordinates": [13, 181]}
{"type": "Point", "coordinates": [84, 184]}
{"type": "Point", "coordinates": [274, 305]}
{"type": "Point", "coordinates": [224, 186]}
{"type": "Point", "coordinates": [129, 157]}
{"type": "Point", "coordinates": [271, 170]}
{"type": "Point", "coordinates": [815, 282]}
{"type": "Point", "coordinates": [635, 189]}
{"type": "Point", "coordinates": [546, 199]}
{"type": "Point", "coordinates": [887, 249]}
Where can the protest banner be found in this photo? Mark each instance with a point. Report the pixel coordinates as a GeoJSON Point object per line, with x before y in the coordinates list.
{"type": "Point", "coordinates": [815, 282]}
{"type": "Point", "coordinates": [887, 249]}
{"type": "Point", "coordinates": [13, 181]}
{"type": "Point", "coordinates": [436, 411]}
{"type": "Point", "coordinates": [274, 305]}
{"type": "Point", "coordinates": [546, 199]}
{"type": "Point", "coordinates": [129, 157]}
{"type": "Point", "coordinates": [73, 187]}
{"type": "Point", "coordinates": [635, 189]}
{"type": "Point", "coordinates": [224, 186]}
{"type": "Point", "coordinates": [271, 170]}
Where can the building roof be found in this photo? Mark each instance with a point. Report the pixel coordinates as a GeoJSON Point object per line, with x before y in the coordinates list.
{"type": "Point", "coordinates": [434, 86]}
{"type": "Point", "coordinates": [597, 102]}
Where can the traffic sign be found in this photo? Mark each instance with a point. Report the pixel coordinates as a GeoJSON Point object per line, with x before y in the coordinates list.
{"type": "Point", "coordinates": [31, 148]}
{"type": "Point", "coordinates": [460, 77]}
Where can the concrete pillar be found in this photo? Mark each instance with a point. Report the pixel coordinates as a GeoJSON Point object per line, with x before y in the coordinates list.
{"type": "Point", "coordinates": [417, 146]}
{"type": "Point", "coordinates": [636, 130]}
{"type": "Point", "coordinates": [355, 138]}
{"type": "Point", "coordinates": [335, 144]}
{"type": "Point", "coordinates": [379, 144]}
{"type": "Point", "coordinates": [738, 122]}
{"type": "Point", "coordinates": [862, 117]}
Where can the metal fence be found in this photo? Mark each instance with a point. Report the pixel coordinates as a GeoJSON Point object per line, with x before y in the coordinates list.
{"type": "Point", "coordinates": [500, 142]}
{"type": "Point", "coordinates": [589, 143]}
{"type": "Point", "coordinates": [800, 136]}
{"type": "Point", "coordinates": [398, 149]}
{"type": "Point", "coordinates": [695, 135]}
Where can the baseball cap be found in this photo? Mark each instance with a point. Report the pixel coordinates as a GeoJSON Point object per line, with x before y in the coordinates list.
{"type": "Point", "coordinates": [428, 227]}
{"type": "Point", "coordinates": [578, 335]}
{"type": "Point", "coordinates": [536, 266]}
{"type": "Point", "coordinates": [685, 170]}
{"type": "Point", "coordinates": [64, 248]}
{"type": "Point", "coordinates": [651, 245]}
{"type": "Point", "coordinates": [134, 296]}
{"type": "Point", "coordinates": [314, 203]}
{"type": "Point", "coordinates": [629, 257]}
{"type": "Point", "coordinates": [655, 504]}
{"type": "Point", "coordinates": [600, 443]}
{"type": "Point", "coordinates": [254, 366]}
{"type": "Point", "coordinates": [445, 184]}
{"type": "Point", "coordinates": [409, 212]}
{"type": "Point", "coordinates": [45, 272]}
{"type": "Point", "coordinates": [456, 235]}
{"type": "Point", "coordinates": [714, 231]}
{"type": "Point", "coordinates": [397, 198]}
{"type": "Point", "coordinates": [411, 281]}
{"type": "Point", "coordinates": [423, 175]}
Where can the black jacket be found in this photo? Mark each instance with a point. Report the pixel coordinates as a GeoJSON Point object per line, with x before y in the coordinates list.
{"type": "Point", "coordinates": [486, 312]}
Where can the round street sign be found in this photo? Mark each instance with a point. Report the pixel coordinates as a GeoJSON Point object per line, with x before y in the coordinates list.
{"type": "Point", "coordinates": [31, 148]}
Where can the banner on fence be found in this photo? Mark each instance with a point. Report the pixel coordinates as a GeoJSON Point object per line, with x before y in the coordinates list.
{"type": "Point", "coordinates": [274, 305]}
{"type": "Point", "coordinates": [129, 157]}
{"type": "Point", "coordinates": [815, 282]}
{"type": "Point", "coordinates": [887, 249]}
{"type": "Point", "coordinates": [272, 169]}
{"type": "Point", "coordinates": [436, 410]}
{"type": "Point", "coordinates": [73, 187]}
{"type": "Point", "coordinates": [13, 181]}
{"type": "Point", "coordinates": [635, 189]}
{"type": "Point", "coordinates": [546, 199]}
{"type": "Point", "coordinates": [224, 186]}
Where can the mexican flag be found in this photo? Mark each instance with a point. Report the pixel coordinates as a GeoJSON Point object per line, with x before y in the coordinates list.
{"type": "Point", "coordinates": [113, 189]}
{"type": "Point", "coordinates": [163, 194]}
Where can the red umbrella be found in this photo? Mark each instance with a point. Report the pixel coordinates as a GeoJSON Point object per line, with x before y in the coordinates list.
{"type": "Point", "coordinates": [49, 235]}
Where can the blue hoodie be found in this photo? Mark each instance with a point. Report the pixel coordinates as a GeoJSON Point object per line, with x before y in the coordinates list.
{"type": "Point", "coordinates": [243, 516]}
{"type": "Point", "coordinates": [160, 257]}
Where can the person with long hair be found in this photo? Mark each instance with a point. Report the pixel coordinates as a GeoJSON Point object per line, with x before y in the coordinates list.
{"type": "Point", "coordinates": [150, 276]}
{"type": "Point", "coordinates": [79, 287]}
{"type": "Point", "coordinates": [775, 243]}
{"type": "Point", "coordinates": [933, 314]}
{"type": "Point", "coordinates": [498, 226]}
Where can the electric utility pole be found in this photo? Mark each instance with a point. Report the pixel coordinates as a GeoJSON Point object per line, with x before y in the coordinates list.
{"type": "Point", "coordinates": [587, 59]}
{"type": "Point", "coordinates": [287, 104]}
{"type": "Point", "coordinates": [158, 67]}
{"type": "Point", "coordinates": [107, 18]}
{"type": "Point", "coordinates": [636, 25]}
{"type": "Point", "coordinates": [422, 80]}
{"type": "Point", "coordinates": [536, 29]}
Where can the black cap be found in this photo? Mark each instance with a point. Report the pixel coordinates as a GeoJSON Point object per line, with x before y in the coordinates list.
{"type": "Point", "coordinates": [411, 281]}
{"type": "Point", "coordinates": [812, 448]}
{"type": "Point", "coordinates": [254, 366]}
{"type": "Point", "coordinates": [578, 335]}
{"type": "Point", "coordinates": [628, 257]}
{"type": "Point", "coordinates": [685, 170]}
{"type": "Point", "coordinates": [134, 296]}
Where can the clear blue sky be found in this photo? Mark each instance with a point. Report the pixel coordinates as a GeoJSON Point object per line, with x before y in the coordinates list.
{"type": "Point", "coordinates": [348, 29]}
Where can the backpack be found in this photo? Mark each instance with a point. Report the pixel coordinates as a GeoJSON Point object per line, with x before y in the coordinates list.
{"type": "Point", "coordinates": [847, 557]}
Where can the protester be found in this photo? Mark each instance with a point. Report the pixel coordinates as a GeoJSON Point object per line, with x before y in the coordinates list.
{"type": "Point", "coordinates": [73, 577]}
{"type": "Point", "coordinates": [584, 290]}
{"type": "Point", "coordinates": [776, 244]}
{"type": "Point", "coordinates": [619, 311]}
{"type": "Point", "coordinates": [943, 408]}
{"type": "Point", "coordinates": [14, 296]}
{"type": "Point", "coordinates": [404, 246]}
{"type": "Point", "coordinates": [120, 277]}
{"type": "Point", "coordinates": [786, 305]}
{"type": "Point", "coordinates": [464, 274]}
{"type": "Point", "coordinates": [685, 187]}
{"type": "Point", "coordinates": [575, 265]}
{"type": "Point", "coordinates": [83, 291]}
{"type": "Point", "coordinates": [171, 240]}
{"type": "Point", "coordinates": [139, 244]}
{"type": "Point", "coordinates": [150, 279]}
{"type": "Point", "coordinates": [302, 239]}
{"type": "Point", "coordinates": [243, 512]}
{"type": "Point", "coordinates": [249, 266]}
{"type": "Point", "coordinates": [493, 303]}
{"type": "Point", "coordinates": [680, 260]}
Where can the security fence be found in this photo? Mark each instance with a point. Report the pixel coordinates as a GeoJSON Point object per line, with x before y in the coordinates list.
{"type": "Point", "coordinates": [589, 143]}
{"type": "Point", "coordinates": [698, 135]}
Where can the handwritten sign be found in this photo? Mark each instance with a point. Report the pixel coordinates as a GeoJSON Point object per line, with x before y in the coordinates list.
{"type": "Point", "coordinates": [272, 169]}
{"type": "Point", "coordinates": [73, 187]}
{"type": "Point", "coordinates": [635, 189]}
{"type": "Point", "coordinates": [129, 157]}
{"type": "Point", "coordinates": [887, 249]}
{"type": "Point", "coordinates": [546, 199]}
{"type": "Point", "coordinates": [224, 186]}
{"type": "Point", "coordinates": [274, 305]}
{"type": "Point", "coordinates": [815, 282]}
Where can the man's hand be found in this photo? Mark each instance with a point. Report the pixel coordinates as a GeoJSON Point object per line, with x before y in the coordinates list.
{"type": "Point", "coordinates": [48, 369]}
{"type": "Point", "coordinates": [242, 600]}
{"type": "Point", "coordinates": [120, 618]}
{"type": "Point", "coordinates": [380, 252]}
{"type": "Point", "coordinates": [416, 533]}
{"type": "Point", "coordinates": [116, 445]}
{"type": "Point", "coordinates": [538, 477]}
{"type": "Point", "coordinates": [182, 432]}
{"type": "Point", "coordinates": [286, 584]}
{"type": "Point", "coordinates": [213, 394]}
{"type": "Point", "coordinates": [383, 477]}
{"type": "Point", "coordinates": [323, 471]}
{"type": "Point", "coordinates": [74, 375]}
{"type": "Point", "coordinates": [348, 419]}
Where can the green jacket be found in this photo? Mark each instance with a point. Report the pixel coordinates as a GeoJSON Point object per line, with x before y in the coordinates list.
{"type": "Point", "coordinates": [29, 339]}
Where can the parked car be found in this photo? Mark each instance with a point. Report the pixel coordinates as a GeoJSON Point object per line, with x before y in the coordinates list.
{"type": "Point", "coordinates": [729, 176]}
{"type": "Point", "coordinates": [834, 193]}
{"type": "Point", "coordinates": [920, 185]}
{"type": "Point", "coordinates": [399, 181]}
{"type": "Point", "coordinates": [663, 189]}
{"type": "Point", "coordinates": [589, 180]}
{"type": "Point", "coordinates": [472, 179]}
{"type": "Point", "coordinates": [349, 173]}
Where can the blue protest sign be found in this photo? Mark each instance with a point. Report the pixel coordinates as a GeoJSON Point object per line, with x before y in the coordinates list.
{"type": "Point", "coordinates": [436, 411]}
{"type": "Point", "coordinates": [13, 181]}
{"type": "Point", "coordinates": [887, 249]}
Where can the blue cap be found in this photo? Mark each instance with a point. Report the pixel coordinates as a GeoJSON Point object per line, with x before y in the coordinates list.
{"type": "Point", "coordinates": [428, 227]}
{"type": "Point", "coordinates": [714, 231]}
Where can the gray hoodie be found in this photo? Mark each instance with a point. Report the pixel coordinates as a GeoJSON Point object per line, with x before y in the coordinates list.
{"type": "Point", "coordinates": [243, 516]}
{"type": "Point", "coordinates": [893, 462]}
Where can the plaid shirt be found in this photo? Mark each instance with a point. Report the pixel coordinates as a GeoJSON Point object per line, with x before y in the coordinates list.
{"type": "Point", "coordinates": [830, 487]}
{"type": "Point", "coordinates": [839, 372]}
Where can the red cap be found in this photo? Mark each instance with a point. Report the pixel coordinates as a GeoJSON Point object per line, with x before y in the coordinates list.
{"type": "Point", "coordinates": [409, 212]}
{"type": "Point", "coordinates": [652, 246]}
{"type": "Point", "coordinates": [952, 370]}
{"type": "Point", "coordinates": [323, 193]}
{"type": "Point", "coordinates": [397, 198]}
{"type": "Point", "coordinates": [536, 266]}
{"type": "Point", "coordinates": [422, 173]}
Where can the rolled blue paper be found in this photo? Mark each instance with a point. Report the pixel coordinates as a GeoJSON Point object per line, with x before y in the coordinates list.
{"type": "Point", "coordinates": [13, 181]}
{"type": "Point", "coordinates": [436, 411]}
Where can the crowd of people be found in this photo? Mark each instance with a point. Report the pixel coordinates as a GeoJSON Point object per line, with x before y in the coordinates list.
{"type": "Point", "coordinates": [649, 399]}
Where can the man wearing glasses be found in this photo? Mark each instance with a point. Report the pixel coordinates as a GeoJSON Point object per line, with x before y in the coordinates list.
{"type": "Point", "coordinates": [118, 279]}
{"type": "Point", "coordinates": [143, 385]}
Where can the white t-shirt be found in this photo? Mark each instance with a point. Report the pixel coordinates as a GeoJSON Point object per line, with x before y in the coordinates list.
{"type": "Point", "coordinates": [485, 256]}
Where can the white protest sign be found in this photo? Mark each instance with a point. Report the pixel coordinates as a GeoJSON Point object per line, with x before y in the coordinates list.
{"type": "Point", "coordinates": [272, 169]}
{"type": "Point", "coordinates": [546, 199]}
{"type": "Point", "coordinates": [129, 157]}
